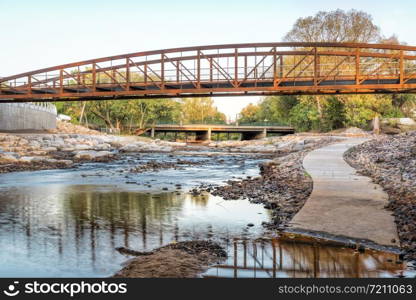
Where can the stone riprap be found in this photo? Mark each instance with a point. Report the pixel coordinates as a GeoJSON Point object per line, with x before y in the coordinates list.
{"type": "Point", "coordinates": [58, 148]}
{"type": "Point", "coordinates": [391, 162]}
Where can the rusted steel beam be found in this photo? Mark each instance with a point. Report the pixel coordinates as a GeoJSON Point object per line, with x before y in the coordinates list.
{"type": "Point", "coordinates": [315, 66]}
{"type": "Point", "coordinates": [223, 55]}
{"type": "Point", "coordinates": [127, 74]}
{"type": "Point", "coordinates": [332, 70]}
{"type": "Point", "coordinates": [401, 67]}
{"type": "Point", "coordinates": [357, 66]}
{"type": "Point", "coordinates": [198, 70]}
{"type": "Point", "coordinates": [232, 46]}
{"type": "Point", "coordinates": [236, 67]}
{"type": "Point", "coordinates": [162, 71]}
{"type": "Point", "coordinates": [333, 89]}
{"type": "Point", "coordinates": [220, 69]}
{"type": "Point", "coordinates": [52, 98]}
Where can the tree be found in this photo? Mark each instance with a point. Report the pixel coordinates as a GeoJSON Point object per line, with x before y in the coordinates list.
{"type": "Point", "coordinates": [335, 26]}
{"type": "Point", "coordinates": [304, 116]}
{"type": "Point", "coordinates": [343, 26]}
{"type": "Point", "coordinates": [200, 110]}
{"type": "Point", "coordinates": [277, 108]}
{"type": "Point", "coordinates": [333, 114]}
{"type": "Point", "coordinates": [249, 114]}
{"type": "Point", "coordinates": [406, 103]}
{"type": "Point", "coordinates": [146, 112]}
{"type": "Point", "coordinates": [361, 109]}
{"type": "Point", "coordinates": [123, 114]}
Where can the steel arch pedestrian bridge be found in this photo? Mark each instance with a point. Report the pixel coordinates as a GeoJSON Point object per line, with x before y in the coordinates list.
{"type": "Point", "coordinates": [223, 70]}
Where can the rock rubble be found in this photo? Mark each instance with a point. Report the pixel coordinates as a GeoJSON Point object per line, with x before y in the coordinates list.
{"type": "Point", "coordinates": [283, 186]}
{"type": "Point", "coordinates": [391, 162]}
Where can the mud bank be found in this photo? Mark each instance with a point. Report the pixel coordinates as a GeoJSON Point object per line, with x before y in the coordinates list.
{"type": "Point", "coordinates": [176, 260]}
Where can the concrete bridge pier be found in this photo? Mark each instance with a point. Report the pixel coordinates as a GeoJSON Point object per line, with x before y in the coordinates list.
{"type": "Point", "coordinates": [203, 135]}
{"type": "Point", "coordinates": [255, 135]}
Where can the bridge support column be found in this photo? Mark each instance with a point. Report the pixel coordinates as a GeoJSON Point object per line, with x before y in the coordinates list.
{"type": "Point", "coordinates": [152, 133]}
{"type": "Point", "coordinates": [203, 135]}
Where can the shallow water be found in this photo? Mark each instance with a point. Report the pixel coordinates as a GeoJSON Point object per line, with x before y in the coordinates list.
{"type": "Point", "coordinates": [67, 223]}
{"type": "Point", "coordinates": [74, 230]}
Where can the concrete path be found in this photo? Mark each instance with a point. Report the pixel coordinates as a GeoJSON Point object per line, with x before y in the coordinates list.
{"type": "Point", "coordinates": [342, 202]}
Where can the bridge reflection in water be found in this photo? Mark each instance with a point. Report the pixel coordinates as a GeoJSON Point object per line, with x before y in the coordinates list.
{"type": "Point", "coordinates": [304, 257]}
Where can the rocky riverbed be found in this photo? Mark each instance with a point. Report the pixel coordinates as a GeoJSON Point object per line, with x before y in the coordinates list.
{"type": "Point", "coordinates": [40, 151]}
{"type": "Point", "coordinates": [391, 162]}
{"type": "Point", "coordinates": [69, 145]}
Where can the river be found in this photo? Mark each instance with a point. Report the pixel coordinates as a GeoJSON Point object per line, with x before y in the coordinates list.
{"type": "Point", "coordinates": [69, 222]}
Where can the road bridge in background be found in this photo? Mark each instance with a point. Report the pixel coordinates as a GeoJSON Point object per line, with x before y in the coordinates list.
{"type": "Point", "coordinates": [204, 132]}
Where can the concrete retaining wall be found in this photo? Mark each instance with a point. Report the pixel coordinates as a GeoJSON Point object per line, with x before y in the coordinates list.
{"type": "Point", "coordinates": [27, 116]}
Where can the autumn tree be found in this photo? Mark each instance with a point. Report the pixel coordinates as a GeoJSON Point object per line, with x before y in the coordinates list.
{"type": "Point", "coordinates": [335, 26]}
{"type": "Point", "coordinates": [200, 110]}
{"type": "Point", "coordinates": [249, 114]}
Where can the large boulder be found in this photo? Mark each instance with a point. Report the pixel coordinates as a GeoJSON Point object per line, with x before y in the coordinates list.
{"type": "Point", "coordinates": [6, 158]}
{"type": "Point", "coordinates": [93, 155]}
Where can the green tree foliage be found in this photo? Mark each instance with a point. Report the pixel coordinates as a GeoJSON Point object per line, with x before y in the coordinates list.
{"type": "Point", "coordinates": [336, 111]}
{"type": "Point", "coordinates": [361, 109]}
{"type": "Point", "coordinates": [304, 116]}
{"type": "Point", "coordinates": [250, 114]}
{"type": "Point", "coordinates": [122, 114]}
{"type": "Point", "coordinates": [200, 110]}
{"type": "Point", "coordinates": [406, 103]}
{"type": "Point", "coordinates": [128, 115]}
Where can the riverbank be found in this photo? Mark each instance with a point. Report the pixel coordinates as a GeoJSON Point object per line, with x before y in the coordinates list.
{"type": "Point", "coordinates": [391, 162]}
{"type": "Point", "coordinates": [283, 185]}
{"type": "Point", "coordinates": [154, 166]}
{"type": "Point", "coordinates": [69, 145]}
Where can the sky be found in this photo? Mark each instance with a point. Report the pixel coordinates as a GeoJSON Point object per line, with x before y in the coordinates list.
{"type": "Point", "coordinates": [37, 34]}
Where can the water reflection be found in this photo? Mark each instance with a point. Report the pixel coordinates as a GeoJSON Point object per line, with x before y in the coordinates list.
{"type": "Point", "coordinates": [60, 230]}
{"type": "Point", "coordinates": [304, 257]}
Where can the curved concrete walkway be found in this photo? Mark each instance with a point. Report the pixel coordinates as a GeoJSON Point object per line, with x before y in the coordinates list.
{"type": "Point", "coordinates": [342, 202]}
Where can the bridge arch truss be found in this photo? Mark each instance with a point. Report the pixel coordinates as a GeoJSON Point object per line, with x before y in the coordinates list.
{"type": "Point", "coordinates": [223, 70]}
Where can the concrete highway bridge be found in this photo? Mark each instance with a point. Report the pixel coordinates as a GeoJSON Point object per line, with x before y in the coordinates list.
{"type": "Point", "coordinates": [223, 70]}
{"type": "Point", "coordinates": [204, 132]}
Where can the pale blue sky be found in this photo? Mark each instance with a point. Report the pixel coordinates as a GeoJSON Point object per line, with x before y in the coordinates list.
{"type": "Point", "coordinates": [36, 34]}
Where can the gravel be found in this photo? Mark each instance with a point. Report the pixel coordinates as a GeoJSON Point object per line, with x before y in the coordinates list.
{"type": "Point", "coordinates": [391, 162]}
